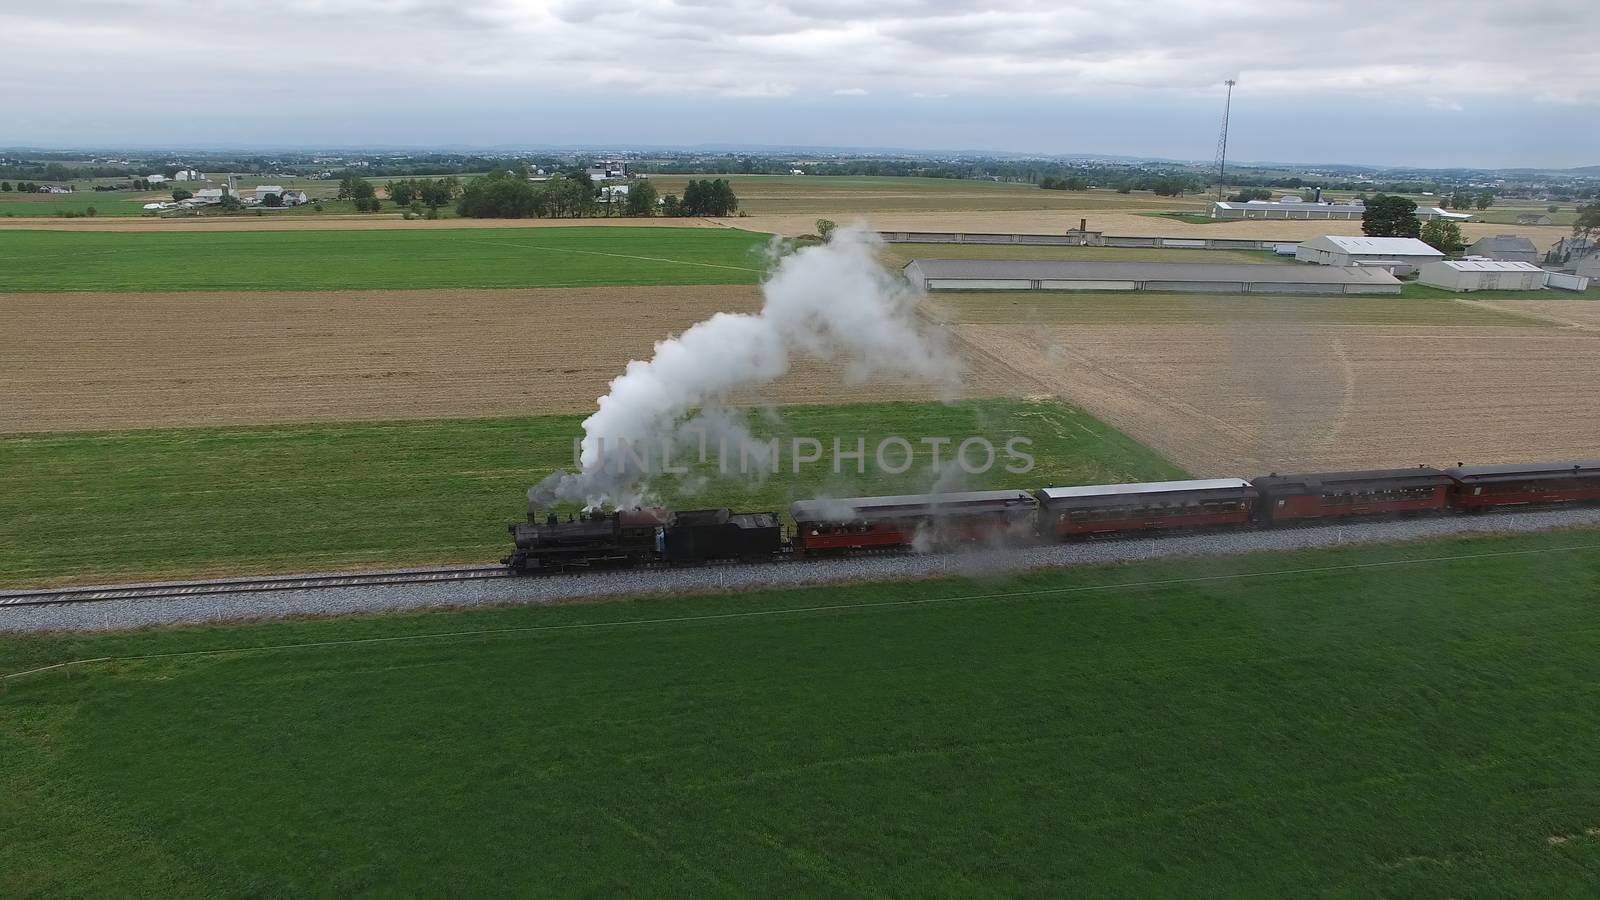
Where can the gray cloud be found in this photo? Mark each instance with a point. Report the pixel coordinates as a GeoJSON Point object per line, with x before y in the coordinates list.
{"type": "Point", "coordinates": [365, 58]}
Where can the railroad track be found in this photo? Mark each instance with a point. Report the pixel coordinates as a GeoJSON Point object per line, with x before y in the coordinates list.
{"type": "Point", "coordinates": [258, 584]}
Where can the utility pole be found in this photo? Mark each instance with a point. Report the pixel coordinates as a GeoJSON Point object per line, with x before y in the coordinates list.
{"type": "Point", "coordinates": [1222, 140]}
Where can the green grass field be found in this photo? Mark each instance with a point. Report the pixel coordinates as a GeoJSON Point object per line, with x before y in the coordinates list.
{"type": "Point", "coordinates": [100, 507]}
{"type": "Point", "coordinates": [105, 204]}
{"type": "Point", "coordinates": [332, 260]}
{"type": "Point", "coordinates": [1141, 308]}
{"type": "Point", "coordinates": [1411, 721]}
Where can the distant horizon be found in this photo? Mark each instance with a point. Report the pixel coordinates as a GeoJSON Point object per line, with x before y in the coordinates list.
{"type": "Point", "coordinates": [759, 150]}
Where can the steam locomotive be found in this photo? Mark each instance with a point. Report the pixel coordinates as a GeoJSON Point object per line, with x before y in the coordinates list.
{"type": "Point", "coordinates": [658, 536]}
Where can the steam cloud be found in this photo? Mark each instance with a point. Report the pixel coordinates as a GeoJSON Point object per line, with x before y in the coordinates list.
{"type": "Point", "coordinates": [834, 302]}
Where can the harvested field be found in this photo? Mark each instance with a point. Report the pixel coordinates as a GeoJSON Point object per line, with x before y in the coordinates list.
{"type": "Point", "coordinates": [847, 194]}
{"type": "Point", "coordinates": [75, 362]}
{"type": "Point", "coordinates": [1251, 396]}
{"type": "Point", "coordinates": [1559, 310]}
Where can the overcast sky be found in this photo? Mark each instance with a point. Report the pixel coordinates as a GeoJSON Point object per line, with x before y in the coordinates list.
{"type": "Point", "coordinates": [1470, 83]}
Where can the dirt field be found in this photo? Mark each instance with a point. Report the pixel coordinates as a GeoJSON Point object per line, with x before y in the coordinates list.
{"type": "Point", "coordinates": [79, 362]}
{"type": "Point", "coordinates": [1582, 314]}
{"type": "Point", "coordinates": [1247, 397]}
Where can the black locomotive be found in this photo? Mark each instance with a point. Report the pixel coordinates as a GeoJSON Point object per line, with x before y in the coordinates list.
{"type": "Point", "coordinates": [634, 537]}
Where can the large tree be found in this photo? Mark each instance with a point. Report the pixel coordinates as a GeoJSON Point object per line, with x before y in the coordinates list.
{"type": "Point", "coordinates": [354, 187]}
{"type": "Point", "coordinates": [402, 192]}
{"type": "Point", "coordinates": [641, 198]}
{"type": "Point", "coordinates": [1389, 216]}
{"type": "Point", "coordinates": [498, 195]}
{"type": "Point", "coordinates": [1588, 221]}
{"type": "Point", "coordinates": [1442, 235]}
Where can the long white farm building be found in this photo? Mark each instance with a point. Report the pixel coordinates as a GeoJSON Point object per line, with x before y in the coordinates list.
{"type": "Point", "coordinates": [1219, 278]}
{"type": "Point", "coordinates": [1345, 250]}
{"type": "Point", "coordinates": [1275, 209]}
{"type": "Point", "coordinates": [1482, 275]}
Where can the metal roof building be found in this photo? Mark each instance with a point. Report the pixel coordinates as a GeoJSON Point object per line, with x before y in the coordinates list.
{"type": "Point", "coordinates": [1511, 247]}
{"type": "Point", "coordinates": [1346, 250]}
{"type": "Point", "coordinates": [1271, 209]}
{"type": "Point", "coordinates": [1219, 278]}
{"type": "Point", "coordinates": [1482, 275]}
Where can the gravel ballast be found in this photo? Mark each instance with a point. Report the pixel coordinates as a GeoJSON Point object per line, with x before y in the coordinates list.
{"type": "Point", "coordinates": [124, 614]}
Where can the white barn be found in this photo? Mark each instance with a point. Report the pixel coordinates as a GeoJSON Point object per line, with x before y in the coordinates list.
{"type": "Point", "coordinates": [1482, 275]}
{"type": "Point", "coordinates": [1345, 250]}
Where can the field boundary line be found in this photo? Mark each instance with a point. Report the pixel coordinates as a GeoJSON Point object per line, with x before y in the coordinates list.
{"type": "Point", "coordinates": [800, 610]}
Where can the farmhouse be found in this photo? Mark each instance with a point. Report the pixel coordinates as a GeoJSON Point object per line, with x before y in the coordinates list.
{"type": "Point", "coordinates": [1344, 250]}
{"type": "Point", "coordinates": [1219, 278]}
{"type": "Point", "coordinates": [1508, 247]}
{"type": "Point", "coordinates": [1482, 275]}
{"type": "Point", "coordinates": [1534, 219]}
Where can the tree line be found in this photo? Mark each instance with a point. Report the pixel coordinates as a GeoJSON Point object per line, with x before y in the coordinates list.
{"type": "Point", "coordinates": [508, 194]}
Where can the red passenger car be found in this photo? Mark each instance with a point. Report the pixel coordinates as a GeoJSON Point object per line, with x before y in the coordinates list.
{"type": "Point", "coordinates": [1109, 508]}
{"type": "Point", "coordinates": [867, 522]}
{"type": "Point", "coordinates": [1336, 495]}
{"type": "Point", "coordinates": [1488, 487]}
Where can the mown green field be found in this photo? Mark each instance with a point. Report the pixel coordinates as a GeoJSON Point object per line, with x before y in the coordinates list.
{"type": "Point", "coordinates": [78, 203]}
{"type": "Point", "coordinates": [332, 259]}
{"type": "Point", "coordinates": [1410, 721]}
{"type": "Point", "coordinates": [102, 507]}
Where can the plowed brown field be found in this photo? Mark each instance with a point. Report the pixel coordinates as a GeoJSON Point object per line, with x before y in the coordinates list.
{"type": "Point", "coordinates": [1247, 397]}
{"type": "Point", "coordinates": [73, 362]}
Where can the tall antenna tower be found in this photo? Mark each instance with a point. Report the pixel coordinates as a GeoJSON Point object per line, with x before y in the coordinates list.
{"type": "Point", "coordinates": [1222, 140]}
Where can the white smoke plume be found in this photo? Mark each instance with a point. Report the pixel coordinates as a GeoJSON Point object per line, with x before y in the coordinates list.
{"type": "Point", "coordinates": [833, 302]}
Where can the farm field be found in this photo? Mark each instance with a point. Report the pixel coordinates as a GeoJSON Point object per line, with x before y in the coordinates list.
{"type": "Point", "coordinates": [330, 260]}
{"type": "Point", "coordinates": [1578, 314]}
{"type": "Point", "coordinates": [1381, 721]}
{"type": "Point", "coordinates": [75, 362]}
{"type": "Point", "coordinates": [308, 497]}
{"type": "Point", "coordinates": [1253, 395]}
{"type": "Point", "coordinates": [761, 195]}
{"type": "Point", "coordinates": [104, 203]}
{"type": "Point", "coordinates": [1116, 222]}
{"type": "Point", "coordinates": [1142, 308]}
{"type": "Point", "coordinates": [898, 255]}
